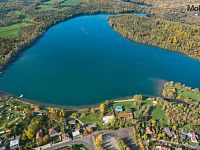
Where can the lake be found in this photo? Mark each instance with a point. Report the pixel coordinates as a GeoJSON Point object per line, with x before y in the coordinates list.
{"type": "Point", "coordinates": [83, 61]}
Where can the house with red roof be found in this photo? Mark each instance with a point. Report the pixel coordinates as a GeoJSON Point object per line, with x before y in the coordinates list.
{"type": "Point", "coordinates": [125, 115]}
{"type": "Point", "coordinates": [39, 134]}
{"type": "Point", "coordinates": [149, 130]}
{"type": "Point", "coordinates": [53, 132]}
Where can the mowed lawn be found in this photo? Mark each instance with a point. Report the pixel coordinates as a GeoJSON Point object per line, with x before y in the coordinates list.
{"type": "Point", "coordinates": [127, 105]}
{"type": "Point", "coordinates": [189, 93]}
{"type": "Point", "coordinates": [158, 114]}
{"type": "Point", "coordinates": [12, 31]}
{"type": "Point", "coordinates": [185, 92]}
{"type": "Point", "coordinates": [91, 119]}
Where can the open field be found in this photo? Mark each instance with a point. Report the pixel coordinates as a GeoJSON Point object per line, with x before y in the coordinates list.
{"type": "Point", "coordinates": [158, 114]}
{"type": "Point", "coordinates": [13, 31]}
{"type": "Point", "coordinates": [190, 94]}
{"type": "Point", "coordinates": [181, 92]}
{"type": "Point", "coordinates": [53, 5]}
{"type": "Point", "coordinates": [127, 105]}
{"type": "Point", "coordinates": [91, 119]}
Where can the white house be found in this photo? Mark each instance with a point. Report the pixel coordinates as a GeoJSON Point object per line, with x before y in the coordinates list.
{"type": "Point", "coordinates": [108, 119]}
{"type": "Point", "coordinates": [14, 144]}
{"type": "Point", "coordinates": [194, 138]}
{"type": "Point", "coordinates": [76, 133]}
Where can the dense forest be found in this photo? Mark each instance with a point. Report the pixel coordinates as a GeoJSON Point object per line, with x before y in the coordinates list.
{"type": "Point", "coordinates": [32, 18]}
{"type": "Point", "coordinates": [173, 10]}
{"type": "Point", "coordinates": [158, 32]}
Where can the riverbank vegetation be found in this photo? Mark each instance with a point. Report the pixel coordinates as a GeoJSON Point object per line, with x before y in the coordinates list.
{"type": "Point", "coordinates": [158, 32]}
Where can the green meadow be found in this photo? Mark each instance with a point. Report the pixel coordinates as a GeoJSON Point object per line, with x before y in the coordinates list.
{"type": "Point", "coordinates": [12, 31]}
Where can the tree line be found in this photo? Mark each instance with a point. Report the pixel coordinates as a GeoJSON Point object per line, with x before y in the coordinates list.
{"type": "Point", "coordinates": [155, 31]}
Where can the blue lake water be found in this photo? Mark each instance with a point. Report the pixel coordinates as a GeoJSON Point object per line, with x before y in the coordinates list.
{"type": "Point", "coordinates": [83, 61]}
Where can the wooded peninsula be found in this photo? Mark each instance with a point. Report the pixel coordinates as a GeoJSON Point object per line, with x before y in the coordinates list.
{"type": "Point", "coordinates": [159, 32]}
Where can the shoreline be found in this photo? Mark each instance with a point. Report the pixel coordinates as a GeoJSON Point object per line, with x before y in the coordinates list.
{"type": "Point", "coordinates": [151, 44]}
{"type": "Point", "coordinates": [67, 107]}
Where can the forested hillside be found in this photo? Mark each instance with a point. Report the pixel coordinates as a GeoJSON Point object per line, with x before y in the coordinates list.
{"type": "Point", "coordinates": [162, 33]}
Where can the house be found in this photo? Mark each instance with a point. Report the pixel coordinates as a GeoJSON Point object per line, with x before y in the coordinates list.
{"type": "Point", "coordinates": [125, 115]}
{"type": "Point", "coordinates": [64, 136]}
{"type": "Point", "coordinates": [119, 108]}
{"type": "Point", "coordinates": [91, 128]}
{"type": "Point", "coordinates": [168, 132]}
{"type": "Point", "coordinates": [185, 132]}
{"type": "Point", "coordinates": [162, 148]}
{"type": "Point", "coordinates": [183, 136]}
{"type": "Point", "coordinates": [194, 138]}
{"type": "Point", "coordinates": [78, 127]}
{"type": "Point", "coordinates": [76, 133]}
{"type": "Point", "coordinates": [39, 134]}
{"type": "Point", "coordinates": [14, 144]}
{"type": "Point", "coordinates": [155, 102]}
{"type": "Point", "coordinates": [108, 119]}
{"type": "Point", "coordinates": [72, 121]}
{"type": "Point", "coordinates": [53, 131]}
{"type": "Point", "coordinates": [149, 130]}
{"type": "Point", "coordinates": [38, 113]}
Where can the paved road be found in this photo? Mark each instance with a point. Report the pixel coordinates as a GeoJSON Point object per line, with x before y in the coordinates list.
{"type": "Point", "coordinates": [186, 145]}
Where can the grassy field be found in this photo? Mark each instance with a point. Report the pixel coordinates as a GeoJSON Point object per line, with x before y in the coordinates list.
{"type": "Point", "coordinates": [91, 119]}
{"type": "Point", "coordinates": [53, 5]}
{"type": "Point", "coordinates": [17, 103]}
{"type": "Point", "coordinates": [127, 105]}
{"type": "Point", "coordinates": [189, 93]}
{"type": "Point", "coordinates": [71, 2]}
{"type": "Point", "coordinates": [13, 30]}
{"type": "Point", "coordinates": [185, 92]}
{"type": "Point", "coordinates": [159, 114]}
{"type": "Point", "coordinates": [45, 7]}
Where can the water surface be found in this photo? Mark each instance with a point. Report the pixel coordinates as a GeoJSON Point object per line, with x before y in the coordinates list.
{"type": "Point", "coordinates": [83, 61]}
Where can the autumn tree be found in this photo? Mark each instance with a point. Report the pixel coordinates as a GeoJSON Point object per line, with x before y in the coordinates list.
{"type": "Point", "coordinates": [99, 142]}
{"type": "Point", "coordinates": [30, 133]}
{"type": "Point", "coordinates": [62, 113]}
{"type": "Point", "coordinates": [102, 109]}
